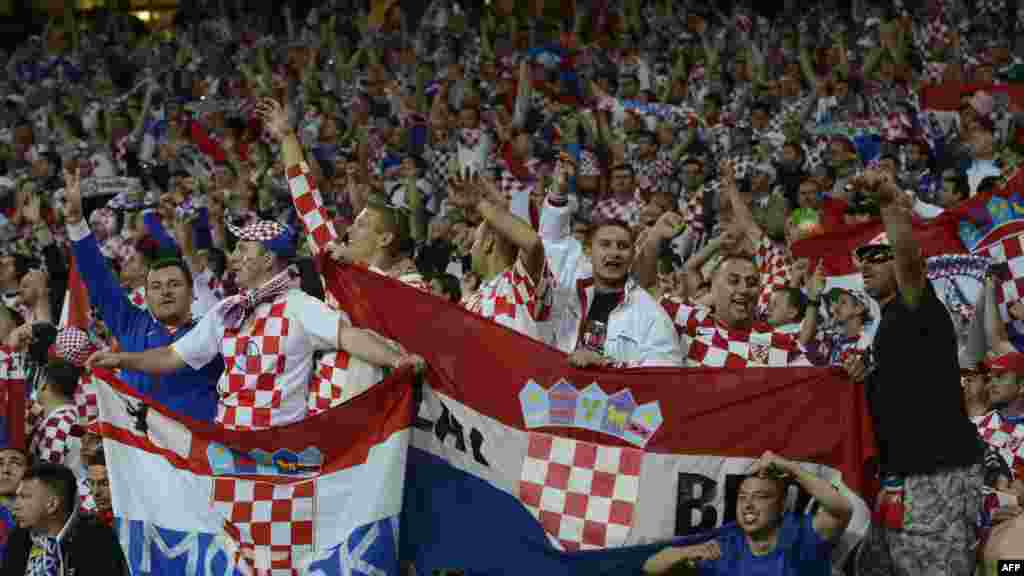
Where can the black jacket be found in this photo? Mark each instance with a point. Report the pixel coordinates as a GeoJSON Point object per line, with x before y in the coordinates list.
{"type": "Point", "coordinates": [90, 547]}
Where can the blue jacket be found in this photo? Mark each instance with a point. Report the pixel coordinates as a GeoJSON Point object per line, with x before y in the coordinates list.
{"type": "Point", "coordinates": [189, 392]}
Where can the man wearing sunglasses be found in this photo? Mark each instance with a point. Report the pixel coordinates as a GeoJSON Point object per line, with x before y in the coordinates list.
{"type": "Point", "coordinates": [929, 460]}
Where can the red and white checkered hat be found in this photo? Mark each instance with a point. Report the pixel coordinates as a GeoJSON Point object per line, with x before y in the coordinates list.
{"type": "Point", "coordinates": [589, 165]}
{"type": "Point", "coordinates": [275, 236]}
{"type": "Point", "coordinates": [74, 346]}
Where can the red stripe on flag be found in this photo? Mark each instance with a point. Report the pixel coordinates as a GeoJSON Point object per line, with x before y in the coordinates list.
{"type": "Point", "coordinates": [78, 298]}
{"type": "Point", "coordinates": [837, 244]}
{"type": "Point", "coordinates": [388, 404]}
{"type": "Point", "coordinates": [809, 414]}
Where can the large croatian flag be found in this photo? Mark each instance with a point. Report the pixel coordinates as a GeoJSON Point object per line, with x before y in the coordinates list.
{"type": "Point", "coordinates": [520, 464]}
{"type": "Point", "coordinates": [321, 497]}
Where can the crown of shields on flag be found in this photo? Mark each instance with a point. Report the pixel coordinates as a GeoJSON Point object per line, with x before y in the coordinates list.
{"type": "Point", "coordinates": [268, 526]}
{"type": "Point", "coordinates": [584, 495]}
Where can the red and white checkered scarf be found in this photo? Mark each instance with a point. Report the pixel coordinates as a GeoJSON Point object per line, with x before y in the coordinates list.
{"type": "Point", "coordinates": [238, 307]}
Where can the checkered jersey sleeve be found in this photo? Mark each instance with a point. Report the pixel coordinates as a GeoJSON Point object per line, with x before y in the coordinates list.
{"type": "Point", "coordinates": [686, 318]}
{"type": "Point", "coordinates": [515, 300]}
{"type": "Point", "coordinates": [310, 206]}
{"type": "Point", "coordinates": [536, 295]}
{"type": "Point", "coordinates": [53, 439]}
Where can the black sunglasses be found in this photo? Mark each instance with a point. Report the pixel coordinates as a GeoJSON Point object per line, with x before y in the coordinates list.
{"type": "Point", "coordinates": [876, 255]}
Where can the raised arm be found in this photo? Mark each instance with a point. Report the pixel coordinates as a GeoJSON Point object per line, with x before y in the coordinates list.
{"type": "Point", "coordinates": [645, 267]}
{"type": "Point", "coordinates": [809, 325]}
{"type": "Point", "coordinates": [482, 195]}
{"type": "Point", "coordinates": [995, 328]}
{"type": "Point", "coordinates": [301, 183]}
{"type": "Point", "coordinates": [896, 211]}
{"type": "Point", "coordinates": [744, 217]}
{"type": "Point", "coordinates": [105, 293]}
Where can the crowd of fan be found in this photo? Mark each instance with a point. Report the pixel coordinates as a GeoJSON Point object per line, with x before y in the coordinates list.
{"type": "Point", "coordinates": [623, 184]}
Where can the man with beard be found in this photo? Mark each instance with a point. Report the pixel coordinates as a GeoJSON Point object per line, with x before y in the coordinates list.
{"type": "Point", "coordinates": [766, 539]}
{"type": "Point", "coordinates": [167, 316]}
{"type": "Point", "coordinates": [930, 462]}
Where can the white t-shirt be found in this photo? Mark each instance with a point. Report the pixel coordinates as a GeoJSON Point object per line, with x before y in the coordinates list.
{"type": "Point", "coordinates": [268, 363]}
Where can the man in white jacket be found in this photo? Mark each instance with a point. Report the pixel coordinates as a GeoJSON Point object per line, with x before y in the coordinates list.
{"type": "Point", "coordinates": [602, 318]}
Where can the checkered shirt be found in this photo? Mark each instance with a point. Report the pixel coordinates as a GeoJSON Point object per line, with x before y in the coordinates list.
{"type": "Point", "coordinates": [268, 526]}
{"type": "Point", "coordinates": [514, 300]}
{"type": "Point", "coordinates": [53, 441]}
{"type": "Point", "coordinates": [310, 207]}
{"type": "Point", "coordinates": [611, 209]}
{"type": "Point", "coordinates": [86, 403]}
{"type": "Point", "coordinates": [138, 297]}
{"type": "Point", "coordinates": [584, 495]}
{"type": "Point", "coordinates": [337, 376]}
{"type": "Point", "coordinates": [773, 262]}
{"type": "Point", "coordinates": [712, 345]}
{"type": "Point", "coordinates": [254, 359]}
{"type": "Point", "coordinates": [1006, 438]}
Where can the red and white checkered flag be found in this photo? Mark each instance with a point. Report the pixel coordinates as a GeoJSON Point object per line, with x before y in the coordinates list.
{"type": "Point", "coordinates": [267, 526]}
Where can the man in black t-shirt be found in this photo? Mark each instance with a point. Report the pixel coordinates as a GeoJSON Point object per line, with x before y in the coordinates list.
{"type": "Point", "coordinates": [929, 453]}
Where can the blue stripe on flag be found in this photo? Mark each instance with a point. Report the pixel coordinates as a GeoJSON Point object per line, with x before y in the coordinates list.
{"type": "Point", "coordinates": [369, 551]}
{"type": "Point", "coordinates": [452, 519]}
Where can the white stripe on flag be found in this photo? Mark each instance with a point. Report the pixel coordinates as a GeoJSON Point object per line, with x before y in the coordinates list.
{"type": "Point", "coordinates": [505, 449]}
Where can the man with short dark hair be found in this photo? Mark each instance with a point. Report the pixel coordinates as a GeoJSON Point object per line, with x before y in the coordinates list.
{"type": "Point", "coordinates": [54, 440]}
{"type": "Point", "coordinates": [51, 537]}
{"type": "Point", "coordinates": [604, 317]}
{"type": "Point", "coordinates": [168, 316]}
{"type": "Point", "coordinates": [99, 487]}
{"type": "Point", "coordinates": [765, 539]}
{"type": "Point", "coordinates": [728, 333]}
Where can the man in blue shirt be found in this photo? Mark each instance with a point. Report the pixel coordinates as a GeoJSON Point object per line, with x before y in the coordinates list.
{"type": "Point", "coordinates": [765, 541]}
{"type": "Point", "coordinates": [168, 300]}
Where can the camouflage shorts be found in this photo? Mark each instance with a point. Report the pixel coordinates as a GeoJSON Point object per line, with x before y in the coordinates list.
{"type": "Point", "coordinates": [939, 533]}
